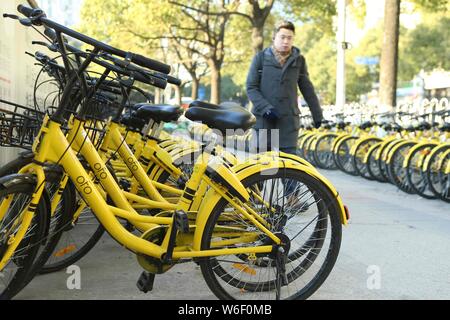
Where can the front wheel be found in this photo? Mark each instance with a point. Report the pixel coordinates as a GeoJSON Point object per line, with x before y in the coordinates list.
{"type": "Point", "coordinates": [304, 214]}
{"type": "Point", "coordinates": [16, 194]}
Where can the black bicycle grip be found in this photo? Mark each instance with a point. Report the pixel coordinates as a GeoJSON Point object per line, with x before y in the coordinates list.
{"type": "Point", "coordinates": [50, 33]}
{"type": "Point", "coordinates": [26, 11]}
{"type": "Point", "coordinates": [153, 81]}
{"type": "Point", "coordinates": [173, 80]}
{"type": "Point", "coordinates": [150, 63]}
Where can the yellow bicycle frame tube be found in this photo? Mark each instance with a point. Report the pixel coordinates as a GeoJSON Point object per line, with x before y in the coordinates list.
{"type": "Point", "coordinates": [269, 163]}
{"type": "Point", "coordinates": [54, 147]}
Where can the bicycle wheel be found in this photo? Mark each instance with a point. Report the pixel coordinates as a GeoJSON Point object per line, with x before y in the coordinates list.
{"type": "Point", "coordinates": [373, 171]}
{"type": "Point", "coordinates": [360, 154]}
{"type": "Point", "coordinates": [444, 177]}
{"type": "Point", "coordinates": [59, 219]}
{"type": "Point", "coordinates": [307, 219]}
{"type": "Point", "coordinates": [397, 172]}
{"type": "Point", "coordinates": [382, 161]}
{"type": "Point", "coordinates": [83, 232]}
{"type": "Point", "coordinates": [433, 173]}
{"type": "Point", "coordinates": [14, 165]}
{"type": "Point", "coordinates": [79, 236]}
{"type": "Point", "coordinates": [342, 155]}
{"type": "Point", "coordinates": [417, 178]}
{"type": "Point", "coordinates": [302, 143]}
{"type": "Point", "coordinates": [307, 153]}
{"type": "Point", "coordinates": [323, 153]}
{"type": "Point", "coordinates": [19, 191]}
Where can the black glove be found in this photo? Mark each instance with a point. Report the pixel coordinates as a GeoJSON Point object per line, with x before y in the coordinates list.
{"type": "Point", "coordinates": [317, 124]}
{"type": "Point", "coordinates": [271, 115]}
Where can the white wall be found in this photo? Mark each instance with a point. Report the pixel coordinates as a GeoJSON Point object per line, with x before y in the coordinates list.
{"type": "Point", "coordinates": [17, 70]}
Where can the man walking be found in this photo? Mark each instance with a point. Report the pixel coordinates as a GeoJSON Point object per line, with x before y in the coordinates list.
{"type": "Point", "coordinates": [272, 82]}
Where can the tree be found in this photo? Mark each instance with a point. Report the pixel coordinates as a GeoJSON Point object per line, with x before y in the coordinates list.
{"type": "Point", "coordinates": [389, 53]}
{"type": "Point", "coordinates": [425, 48]}
{"type": "Point", "coordinates": [143, 26]}
{"type": "Point", "coordinates": [210, 20]}
{"type": "Point", "coordinates": [257, 16]}
{"type": "Point", "coordinates": [193, 64]}
{"type": "Point", "coordinates": [320, 13]}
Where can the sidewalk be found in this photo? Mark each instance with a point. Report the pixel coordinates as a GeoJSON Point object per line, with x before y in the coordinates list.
{"type": "Point", "coordinates": [395, 247]}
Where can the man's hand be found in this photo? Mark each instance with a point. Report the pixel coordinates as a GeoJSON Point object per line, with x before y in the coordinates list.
{"type": "Point", "coordinates": [272, 114]}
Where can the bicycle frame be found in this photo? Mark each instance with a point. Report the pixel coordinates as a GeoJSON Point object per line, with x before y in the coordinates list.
{"type": "Point", "coordinates": [52, 146]}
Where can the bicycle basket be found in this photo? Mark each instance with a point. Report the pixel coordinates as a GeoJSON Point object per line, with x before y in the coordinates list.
{"type": "Point", "coordinates": [19, 126]}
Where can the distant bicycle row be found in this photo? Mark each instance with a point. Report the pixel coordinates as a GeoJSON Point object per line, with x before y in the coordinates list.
{"type": "Point", "coordinates": [408, 150]}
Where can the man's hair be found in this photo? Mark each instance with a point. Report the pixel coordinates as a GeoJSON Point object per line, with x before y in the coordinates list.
{"type": "Point", "coordinates": [283, 25]}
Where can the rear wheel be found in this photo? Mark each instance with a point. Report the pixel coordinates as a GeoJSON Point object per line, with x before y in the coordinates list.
{"type": "Point", "coordinates": [360, 154]}
{"type": "Point", "coordinates": [417, 178]}
{"type": "Point", "coordinates": [382, 161]}
{"type": "Point", "coordinates": [397, 172]}
{"type": "Point", "coordinates": [373, 170]}
{"type": "Point", "coordinates": [343, 157]}
{"type": "Point", "coordinates": [435, 174]}
{"type": "Point", "coordinates": [323, 153]}
{"type": "Point", "coordinates": [306, 219]}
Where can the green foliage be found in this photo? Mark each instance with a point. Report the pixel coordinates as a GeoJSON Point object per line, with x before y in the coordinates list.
{"type": "Point", "coordinates": [239, 52]}
{"type": "Point", "coordinates": [320, 55]}
{"type": "Point", "coordinates": [427, 47]}
{"type": "Point", "coordinates": [135, 25]}
{"type": "Point", "coordinates": [320, 13]}
{"type": "Point", "coordinates": [430, 6]}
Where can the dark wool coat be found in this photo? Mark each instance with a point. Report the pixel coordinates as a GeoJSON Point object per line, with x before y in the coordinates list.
{"type": "Point", "coordinates": [270, 85]}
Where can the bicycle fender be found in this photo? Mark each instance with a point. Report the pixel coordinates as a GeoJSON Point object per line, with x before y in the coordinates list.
{"type": "Point", "coordinates": [212, 197]}
{"type": "Point", "coordinates": [394, 148]}
{"type": "Point", "coordinates": [12, 180]}
{"type": "Point", "coordinates": [366, 157]}
{"type": "Point", "coordinates": [414, 148]}
{"type": "Point", "coordinates": [438, 148]}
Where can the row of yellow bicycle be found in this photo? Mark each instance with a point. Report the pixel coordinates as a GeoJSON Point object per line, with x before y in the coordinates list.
{"type": "Point", "coordinates": [408, 149]}
{"type": "Point", "coordinates": [268, 227]}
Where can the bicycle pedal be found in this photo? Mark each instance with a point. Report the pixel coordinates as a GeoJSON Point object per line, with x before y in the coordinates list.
{"type": "Point", "coordinates": [182, 221]}
{"type": "Point", "coordinates": [145, 281]}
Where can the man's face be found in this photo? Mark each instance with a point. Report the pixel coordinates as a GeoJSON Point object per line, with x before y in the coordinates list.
{"type": "Point", "coordinates": [284, 40]}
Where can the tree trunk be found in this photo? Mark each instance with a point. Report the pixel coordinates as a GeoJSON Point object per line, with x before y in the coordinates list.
{"type": "Point", "coordinates": [178, 94]}
{"type": "Point", "coordinates": [195, 86]}
{"type": "Point", "coordinates": [258, 38]}
{"type": "Point", "coordinates": [215, 84]}
{"type": "Point", "coordinates": [389, 54]}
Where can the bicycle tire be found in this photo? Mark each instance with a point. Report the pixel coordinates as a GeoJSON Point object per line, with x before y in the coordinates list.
{"type": "Point", "coordinates": [433, 172]}
{"type": "Point", "coordinates": [34, 236]}
{"type": "Point", "coordinates": [342, 156]}
{"type": "Point", "coordinates": [357, 158]}
{"type": "Point", "coordinates": [324, 159]}
{"type": "Point", "coordinates": [209, 266]}
{"type": "Point", "coordinates": [397, 172]}
{"type": "Point", "coordinates": [421, 186]}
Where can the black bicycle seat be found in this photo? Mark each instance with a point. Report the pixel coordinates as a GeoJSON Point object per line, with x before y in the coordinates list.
{"type": "Point", "coordinates": [158, 112]}
{"type": "Point", "coordinates": [222, 118]}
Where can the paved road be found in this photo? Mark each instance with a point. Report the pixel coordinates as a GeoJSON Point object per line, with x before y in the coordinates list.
{"type": "Point", "coordinates": [397, 246]}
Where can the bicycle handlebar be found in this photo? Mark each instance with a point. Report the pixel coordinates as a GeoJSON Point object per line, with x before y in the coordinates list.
{"type": "Point", "coordinates": [38, 17]}
{"type": "Point", "coordinates": [173, 80]}
{"type": "Point", "coordinates": [26, 11]}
